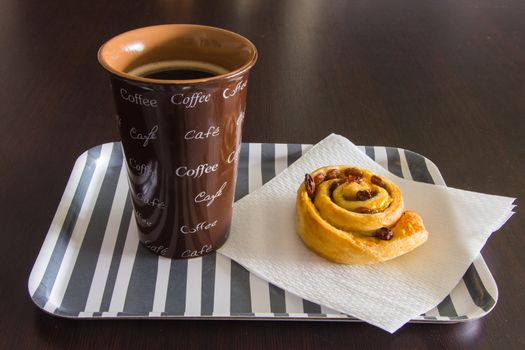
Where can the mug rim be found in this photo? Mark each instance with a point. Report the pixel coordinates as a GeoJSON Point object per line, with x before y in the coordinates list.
{"type": "Point", "coordinates": [234, 73]}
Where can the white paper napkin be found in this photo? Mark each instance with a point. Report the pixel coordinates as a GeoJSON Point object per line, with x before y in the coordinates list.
{"type": "Point", "coordinates": [263, 239]}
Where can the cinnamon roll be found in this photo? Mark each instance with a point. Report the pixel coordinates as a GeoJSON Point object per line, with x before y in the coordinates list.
{"type": "Point", "coordinates": [351, 215]}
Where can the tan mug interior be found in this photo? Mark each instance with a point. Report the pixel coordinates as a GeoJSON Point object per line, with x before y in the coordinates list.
{"type": "Point", "coordinates": [175, 42]}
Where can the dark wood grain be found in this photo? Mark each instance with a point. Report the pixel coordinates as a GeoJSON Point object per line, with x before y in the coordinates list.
{"type": "Point", "coordinates": [443, 78]}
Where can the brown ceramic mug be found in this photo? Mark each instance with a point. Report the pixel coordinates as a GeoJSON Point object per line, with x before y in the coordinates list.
{"type": "Point", "coordinates": [180, 96]}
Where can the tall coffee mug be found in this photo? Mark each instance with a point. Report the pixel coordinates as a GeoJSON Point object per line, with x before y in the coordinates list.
{"type": "Point", "coordinates": [180, 97]}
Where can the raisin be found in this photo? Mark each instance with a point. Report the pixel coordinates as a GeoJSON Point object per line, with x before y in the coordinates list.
{"type": "Point", "coordinates": [363, 195]}
{"type": "Point", "coordinates": [309, 184]}
{"type": "Point", "coordinates": [352, 178]}
{"type": "Point", "coordinates": [376, 180]}
{"type": "Point", "coordinates": [319, 178]}
{"type": "Point", "coordinates": [333, 186]}
{"type": "Point", "coordinates": [354, 172]}
{"type": "Point", "coordinates": [384, 233]}
{"type": "Point", "coordinates": [362, 210]}
{"type": "Point", "coordinates": [332, 174]}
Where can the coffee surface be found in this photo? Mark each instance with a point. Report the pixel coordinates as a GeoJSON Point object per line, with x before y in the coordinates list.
{"type": "Point", "coordinates": [179, 74]}
{"type": "Point", "coordinates": [178, 70]}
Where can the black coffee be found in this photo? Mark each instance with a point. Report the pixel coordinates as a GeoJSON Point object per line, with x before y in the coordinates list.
{"type": "Point", "coordinates": [178, 74]}
{"type": "Point", "coordinates": [178, 70]}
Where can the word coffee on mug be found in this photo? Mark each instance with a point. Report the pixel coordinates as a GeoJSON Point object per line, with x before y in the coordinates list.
{"type": "Point", "coordinates": [180, 98]}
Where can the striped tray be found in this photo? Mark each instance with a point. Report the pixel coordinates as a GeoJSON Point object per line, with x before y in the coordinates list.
{"type": "Point", "coordinates": [91, 264]}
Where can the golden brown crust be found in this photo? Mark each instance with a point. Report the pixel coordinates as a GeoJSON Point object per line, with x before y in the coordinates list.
{"type": "Point", "coordinates": [332, 222]}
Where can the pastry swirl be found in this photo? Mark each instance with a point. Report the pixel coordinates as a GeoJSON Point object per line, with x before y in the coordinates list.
{"type": "Point", "coordinates": [351, 215]}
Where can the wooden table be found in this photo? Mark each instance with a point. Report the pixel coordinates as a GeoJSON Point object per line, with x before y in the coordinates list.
{"type": "Point", "coordinates": [443, 78]}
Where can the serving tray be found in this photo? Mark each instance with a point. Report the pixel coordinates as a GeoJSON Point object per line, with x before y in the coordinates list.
{"type": "Point", "coordinates": [91, 264]}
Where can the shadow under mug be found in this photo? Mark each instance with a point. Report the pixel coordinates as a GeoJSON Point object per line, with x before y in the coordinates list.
{"type": "Point", "coordinates": [181, 138]}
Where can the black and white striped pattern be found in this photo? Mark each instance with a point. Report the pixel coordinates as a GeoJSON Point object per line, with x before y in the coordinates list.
{"type": "Point", "coordinates": [92, 265]}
